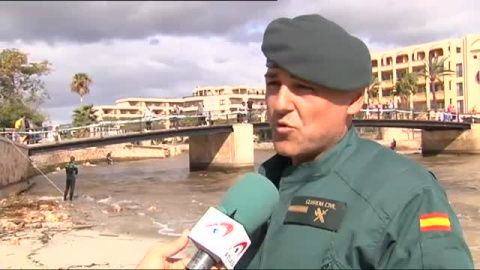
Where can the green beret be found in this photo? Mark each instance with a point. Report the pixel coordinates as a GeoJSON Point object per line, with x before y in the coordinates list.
{"type": "Point", "coordinates": [318, 51]}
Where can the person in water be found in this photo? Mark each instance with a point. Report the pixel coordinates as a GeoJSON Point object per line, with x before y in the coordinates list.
{"type": "Point", "coordinates": [71, 170]}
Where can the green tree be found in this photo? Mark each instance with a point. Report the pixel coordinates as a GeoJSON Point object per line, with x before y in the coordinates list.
{"type": "Point", "coordinates": [435, 70]}
{"type": "Point", "coordinates": [81, 85]}
{"type": "Point", "coordinates": [22, 89]}
{"type": "Point", "coordinates": [405, 87]}
{"type": "Point", "coordinates": [21, 79]}
{"type": "Point", "coordinates": [373, 89]}
{"type": "Point", "coordinates": [84, 116]}
{"type": "Point", "coordinates": [12, 109]}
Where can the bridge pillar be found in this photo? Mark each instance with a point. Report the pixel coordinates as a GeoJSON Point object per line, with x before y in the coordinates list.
{"type": "Point", "coordinates": [399, 134]}
{"type": "Point", "coordinates": [222, 150]}
{"type": "Point", "coordinates": [451, 141]}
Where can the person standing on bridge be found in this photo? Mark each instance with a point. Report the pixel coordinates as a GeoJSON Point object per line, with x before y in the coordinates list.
{"type": "Point", "coordinates": [71, 170]}
{"type": "Point", "coordinates": [345, 202]}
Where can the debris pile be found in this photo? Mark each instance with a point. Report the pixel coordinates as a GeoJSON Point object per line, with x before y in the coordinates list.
{"type": "Point", "coordinates": [19, 213]}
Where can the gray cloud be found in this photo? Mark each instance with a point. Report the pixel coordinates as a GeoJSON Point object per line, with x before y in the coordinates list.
{"type": "Point", "coordinates": [94, 21]}
{"type": "Point", "coordinates": [388, 22]}
{"type": "Point", "coordinates": [397, 23]}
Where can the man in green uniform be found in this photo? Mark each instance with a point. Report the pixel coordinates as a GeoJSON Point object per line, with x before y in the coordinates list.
{"type": "Point", "coordinates": [71, 171]}
{"type": "Point", "coordinates": [345, 202]}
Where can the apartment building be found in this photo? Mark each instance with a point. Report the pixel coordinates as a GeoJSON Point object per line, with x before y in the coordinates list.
{"type": "Point", "coordinates": [461, 89]}
{"type": "Point", "coordinates": [216, 99]}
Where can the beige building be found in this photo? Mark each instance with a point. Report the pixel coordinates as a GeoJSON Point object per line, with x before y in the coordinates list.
{"type": "Point", "coordinates": [461, 89]}
{"type": "Point", "coordinates": [216, 99]}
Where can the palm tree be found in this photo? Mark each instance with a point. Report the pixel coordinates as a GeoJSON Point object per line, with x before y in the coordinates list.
{"type": "Point", "coordinates": [405, 87]}
{"type": "Point", "coordinates": [434, 69]}
{"type": "Point", "coordinates": [373, 88]}
{"type": "Point", "coordinates": [84, 116]}
{"type": "Point", "coordinates": [81, 85]}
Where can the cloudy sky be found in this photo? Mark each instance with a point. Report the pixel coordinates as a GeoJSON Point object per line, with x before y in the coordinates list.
{"type": "Point", "coordinates": [165, 49]}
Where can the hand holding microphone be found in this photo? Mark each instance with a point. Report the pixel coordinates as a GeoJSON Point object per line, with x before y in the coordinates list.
{"type": "Point", "coordinates": [222, 234]}
{"type": "Point", "coordinates": [158, 257]}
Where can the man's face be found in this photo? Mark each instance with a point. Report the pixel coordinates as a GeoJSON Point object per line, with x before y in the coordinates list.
{"type": "Point", "coordinates": [306, 119]}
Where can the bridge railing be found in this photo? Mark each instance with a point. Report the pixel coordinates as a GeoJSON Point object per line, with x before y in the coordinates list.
{"type": "Point", "coordinates": [209, 118]}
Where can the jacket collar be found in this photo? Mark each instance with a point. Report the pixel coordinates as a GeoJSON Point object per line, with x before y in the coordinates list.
{"type": "Point", "coordinates": [280, 167]}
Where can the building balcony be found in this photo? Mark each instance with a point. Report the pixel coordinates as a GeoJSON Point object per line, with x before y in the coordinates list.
{"type": "Point", "coordinates": [190, 109]}
{"type": "Point", "coordinates": [438, 95]}
{"type": "Point", "coordinates": [421, 80]}
{"type": "Point", "coordinates": [386, 84]}
{"type": "Point", "coordinates": [401, 65]}
{"type": "Point", "coordinates": [386, 68]}
{"type": "Point", "coordinates": [419, 97]}
{"type": "Point", "coordinates": [417, 63]}
{"type": "Point", "coordinates": [125, 115]}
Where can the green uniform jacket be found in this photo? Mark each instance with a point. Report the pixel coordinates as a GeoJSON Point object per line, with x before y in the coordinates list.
{"type": "Point", "coordinates": [361, 205]}
{"type": "Point", "coordinates": [71, 170]}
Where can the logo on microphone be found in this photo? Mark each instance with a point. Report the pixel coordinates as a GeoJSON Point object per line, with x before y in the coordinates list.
{"type": "Point", "coordinates": [233, 254]}
{"type": "Point", "coordinates": [221, 228]}
{"type": "Point", "coordinates": [239, 248]}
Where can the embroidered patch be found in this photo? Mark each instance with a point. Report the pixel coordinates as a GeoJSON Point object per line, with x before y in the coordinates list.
{"type": "Point", "coordinates": [435, 222]}
{"type": "Point", "coordinates": [316, 212]}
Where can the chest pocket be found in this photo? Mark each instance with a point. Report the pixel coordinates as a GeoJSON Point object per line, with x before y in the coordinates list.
{"type": "Point", "coordinates": [330, 259]}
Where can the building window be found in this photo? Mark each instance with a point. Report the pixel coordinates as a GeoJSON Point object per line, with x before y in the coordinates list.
{"type": "Point", "coordinates": [459, 89]}
{"type": "Point", "coordinates": [459, 50]}
{"type": "Point", "coordinates": [459, 70]}
{"type": "Point", "coordinates": [460, 108]}
{"type": "Point", "coordinates": [450, 85]}
{"type": "Point", "coordinates": [440, 104]}
{"type": "Point", "coordinates": [222, 102]}
{"type": "Point", "coordinates": [439, 87]}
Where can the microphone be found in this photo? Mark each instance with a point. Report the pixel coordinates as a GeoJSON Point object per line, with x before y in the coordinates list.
{"type": "Point", "coordinates": [222, 234]}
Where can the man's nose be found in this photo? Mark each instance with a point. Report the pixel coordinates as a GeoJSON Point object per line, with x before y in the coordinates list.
{"type": "Point", "coordinates": [283, 102]}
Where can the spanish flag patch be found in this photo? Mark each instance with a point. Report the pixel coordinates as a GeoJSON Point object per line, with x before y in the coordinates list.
{"type": "Point", "coordinates": [435, 222]}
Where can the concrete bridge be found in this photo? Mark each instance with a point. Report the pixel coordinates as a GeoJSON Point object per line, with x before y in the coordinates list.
{"type": "Point", "coordinates": [232, 145]}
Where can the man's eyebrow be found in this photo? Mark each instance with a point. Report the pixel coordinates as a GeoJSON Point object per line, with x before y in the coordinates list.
{"type": "Point", "coordinates": [271, 74]}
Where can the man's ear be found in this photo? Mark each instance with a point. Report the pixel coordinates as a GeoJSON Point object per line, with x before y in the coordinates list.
{"type": "Point", "coordinates": [357, 102]}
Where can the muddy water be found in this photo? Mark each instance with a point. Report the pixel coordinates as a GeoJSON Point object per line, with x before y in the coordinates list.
{"type": "Point", "coordinates": [161, 197]}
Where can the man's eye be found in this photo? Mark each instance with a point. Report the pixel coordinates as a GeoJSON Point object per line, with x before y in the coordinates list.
{"type": "Point", "coordinates": [272, 83]}
{"type": "Point", "coordinates": [303, 88]}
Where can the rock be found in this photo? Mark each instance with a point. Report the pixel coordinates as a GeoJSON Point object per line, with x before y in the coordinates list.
{"type": "Point", "coordinates": [115, 208]}
{"type": "Point", "coordinates": [14, 242]}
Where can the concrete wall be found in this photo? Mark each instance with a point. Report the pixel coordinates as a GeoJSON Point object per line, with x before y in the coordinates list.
{"type": "Point", "coordinates": [400, 134]}
{"type": "Point", "coordinates": [407, 138]}
{"type": "Point", "coordinates": [14, 167]}
{"type": "Point", "coordinates": [120, 152]}
{"type": "Point", "coordinates": [451, 141]}
{"type": "Point", "coordinates": [222, 150]}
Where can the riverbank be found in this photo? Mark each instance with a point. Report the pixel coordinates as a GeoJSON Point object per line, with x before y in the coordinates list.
{"type": "Point", "coordinates": [52, 234]}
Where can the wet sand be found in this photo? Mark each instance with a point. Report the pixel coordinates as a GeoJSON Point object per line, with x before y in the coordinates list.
{"type": "Point", "coordinates": [157, 199]}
